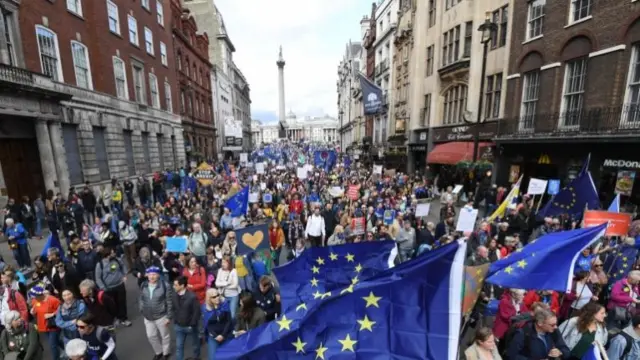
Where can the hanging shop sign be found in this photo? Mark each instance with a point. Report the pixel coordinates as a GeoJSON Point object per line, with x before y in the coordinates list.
{"type": "Point", "coordinates": [628, 164]}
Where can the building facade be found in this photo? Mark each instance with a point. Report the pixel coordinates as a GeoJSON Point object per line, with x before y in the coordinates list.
{"type": "Point", "coordinates": [316, 129]}
{"type": "Point", "coordinates": [368, 45]}
{"type": "Point", "coordinates": [256, 133]}
{"type": "Point", "coordinates": [347, 87]}
{"type": "Point", "coordinates": [87, 94]}
{"type": "Point", "coordinates": [194, 82]}
{"type": "Point", "coordinates": [242, 106]}
{"type": "Point", "coordinates": [574, 90]}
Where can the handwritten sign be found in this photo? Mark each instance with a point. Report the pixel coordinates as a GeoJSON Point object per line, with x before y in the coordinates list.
{"type": "Point", "coordinates": [467, 219]}
{"type": "Point", "coordinates": [536, 186]}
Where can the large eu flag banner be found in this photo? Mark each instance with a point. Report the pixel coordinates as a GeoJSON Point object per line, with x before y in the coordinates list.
{"type": "Point", "coordinates": [322, 269]}
{"type": "Point", "coordinates": [411, 311]}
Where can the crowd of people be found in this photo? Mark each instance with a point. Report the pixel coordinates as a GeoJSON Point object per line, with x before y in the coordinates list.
{"type": "Point", "coordinates": [76, 298]}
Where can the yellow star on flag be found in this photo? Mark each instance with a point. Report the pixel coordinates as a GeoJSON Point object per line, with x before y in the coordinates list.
{"type": "Point", "coordinates": [299, 345]}
{"type": "Point", "coordinates": [333, 257]}
{"type": "Point", "coordinates": [347, 344]}
{"type": "Point", "coordinates": [317, 295]}
{"type": "Point", "coordinates": [314, 282]}
{"type": "Point", "coordinates": [624, 258]}
{"type": "Point", "coordinates": [508, 269]}
{"type": "Point", "coordinates": [349, 257]}
{"type": "Point", "coordinates": [320, 260]}
{"type": "Point", "coordinates": [519, 250]}
{"type": "Point", "coordinates": [358, 268]}
{"type": "Point", "coordinates": [284, 323]}
{"type": "Point", "coordinates": [366, 324]}
{"type": "Point", "coordinates": [316, 270]}
{"type": "Point", "coordinates": [372, 300]}
{"type": "Point", "coordinates": [522, 264]}
{"type": "Point", "coordinates": [320, 351]}
{"type": "Point", "coordinates": [327, 294]}
{"type": "Point", "coordinates": [355, 280]}
{"type": "Point", "coordinates": [347, 290]}
{"type": "Point", "coordinates": [302, 306]}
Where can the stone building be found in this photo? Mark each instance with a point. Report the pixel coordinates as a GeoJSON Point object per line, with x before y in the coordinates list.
{"type": "Point", "coordinates": [347, 88]}
{"type": "Point", "coordinates": [87, 93]}
{"type": "Point", "coordinates": [322, 129]}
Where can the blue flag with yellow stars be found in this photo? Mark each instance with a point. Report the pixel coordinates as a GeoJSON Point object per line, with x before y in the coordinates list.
{"type": "Point", "coordinates": [547, 263]}
{"type": "Point", "coordinates": [574, 198]}
{"type": "Point", "coordinates": [238, 203]}
{"type": "Point", "coordinates": [322, 269]}
{"type": "Point", "coordinates": [619, 262]}
{"type": "Point", "coordinates": [411, 311]}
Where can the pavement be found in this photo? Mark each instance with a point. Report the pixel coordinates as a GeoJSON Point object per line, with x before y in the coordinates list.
{"type": "Point", "coordinates": [131, 342]}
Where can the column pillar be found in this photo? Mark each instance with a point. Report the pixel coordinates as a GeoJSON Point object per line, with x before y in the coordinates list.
{"type": "Point", "coordinates": [57, 144]}
{"type": "Point", "coordinates": [46, 155]}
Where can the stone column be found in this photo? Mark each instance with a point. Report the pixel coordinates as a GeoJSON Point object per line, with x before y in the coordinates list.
{"type": "Point", "coordinates": [57, 144]}
{"type": "Point", "coordinates": [46, 155]}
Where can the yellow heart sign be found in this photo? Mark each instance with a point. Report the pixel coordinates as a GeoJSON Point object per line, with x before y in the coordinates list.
{"type": "Point", "coordinates": [253, 240]}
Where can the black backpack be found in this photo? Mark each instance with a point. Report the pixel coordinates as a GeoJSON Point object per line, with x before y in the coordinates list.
{"type": "Point", "coordinates": [629, 345]}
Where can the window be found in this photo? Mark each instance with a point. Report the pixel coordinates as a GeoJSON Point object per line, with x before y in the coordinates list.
{"type": "Point", "coordinates": [432, 13]}
{"type": "Point", "coordinates": [455, 104]}
{"type": "Point", "coordinates": [146, 5]}
{"type": "Point", "coordinates": [535, 18]}
{"type": "Point", "coordinates": [168, 101]}
{"type": "Point", "coordinates": [120, 76]}
{"type": "Point", "coordinates": [81, 65]}
{"type": "Point", "coordinates": [182, 102]}
{"type": "Point", "coordinates": [179, 61]}
{"type": "Point", "coordinates": [160, 12]}
{"type": "Point", "coordinates": [161, 147]}
{"type": "Point", "coordinates": [155, 92]}
{"type": "Point", "coordinates": [493, 92]}
{"type": "Point", "coordinates": [572, 97]}
{"type": "Point", "coordinates": [114, 17]}
{"type": "Point", "coordinates": [580, 9]}
{"type": "Point", "coordinates": [450, 3]}
{"type": "Point", "coordinates": [426, 111]}
{"type": "Point", "coordinates": [49, 53]}
{"type": "Point", "coordinates": [133, 31]}
{"type": "Point", "coordinates": [430, 60]}
{"type": "Point", "coordinates": [9, 25]}
{"type": "Point", "coordinates": [451, 47]}
{"type": "Point", "coordinates": [468, 34]}
{"type": "Point", "coordinates": [148, 40]}
{"type": "Point", "coordinates": [72, 153]}
{"type": "Point", "coordinates": [128, 150]}
{"type": "Point", "coordinates": [75, 6]}
{"type": "Point", "coordinates": [163, 54]}
{"type": "Point", "coordinates": [632, 100]}
{"type": "Point", "coordinates": [503, 28]}
{"type": "Point", "coordinates": [139, 83]}
{"type": "Point", "coordinates": [530, 89]}
{"type": "Point", "coordinates": [102, 157]}
{"type": "Point", "coordinates": [146, 153]}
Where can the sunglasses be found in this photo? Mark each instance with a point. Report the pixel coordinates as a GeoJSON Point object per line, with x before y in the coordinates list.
{"type": "Point", "coordinates": [597, 265]}
{"type": "Point", "coordinates": [81, 326]}
{"type": "Point", "coordinates": [215, 296]}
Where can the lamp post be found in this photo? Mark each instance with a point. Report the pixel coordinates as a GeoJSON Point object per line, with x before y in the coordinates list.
{"type": "Point", "coordinates": [487, 29]}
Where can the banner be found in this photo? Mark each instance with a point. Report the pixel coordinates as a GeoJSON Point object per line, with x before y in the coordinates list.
{"type": "Point", "coordinates": [371, 96]}
{"type": "Point", "coordinates": [618, 222]}
{"type": "Point", "coordinates": [252, 238]}
{"type": "Point", "coordinates": [354, 192]}
{"type": "Point", "coordinates": [358, 226]}
{"type": "Point", "coordinates": [554, 187]}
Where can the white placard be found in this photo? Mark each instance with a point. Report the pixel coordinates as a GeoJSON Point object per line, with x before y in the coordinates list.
{"type": "Point", "coordinates": [457, 189]}
{"type": "Point", "coordinates": [336, 191]}
{"type": "Point", "coordinates": [537, 186]}
{"type": "Point", "coordinates": [308, 167]}
{"type": "Point", "coordinates": [423, 209]}
{"type": "Point", "coordinates": [244, 158]}
{"type": "Point", "coordinates": [467, 219]}
{"type": "Point", "coordinates": [302, 173]}
{"type": "Point", "coordinates": [253, 197]}
{"type": "Point", "coordinates": [377, 169]}
{"type": "Point", "coordinates": [260, 168]}
{"type": "Point", "coordinates": [263, 186]}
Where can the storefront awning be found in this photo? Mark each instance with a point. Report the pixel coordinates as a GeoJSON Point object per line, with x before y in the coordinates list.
{"type": "Point", "coordinates": [454, 152]}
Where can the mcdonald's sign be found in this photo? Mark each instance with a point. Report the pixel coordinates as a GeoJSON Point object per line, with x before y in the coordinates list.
{"type": "Point", "coordinates": [544, 159]}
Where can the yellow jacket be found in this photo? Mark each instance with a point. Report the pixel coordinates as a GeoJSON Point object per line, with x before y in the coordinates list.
{"type": "Point", "coordinates": [116, 196]}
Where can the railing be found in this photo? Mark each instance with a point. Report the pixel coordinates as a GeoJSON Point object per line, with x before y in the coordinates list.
{"type": "Point", "coordinates": [17, 75]}
{"type": "Point", "coordinates": [601, 121]}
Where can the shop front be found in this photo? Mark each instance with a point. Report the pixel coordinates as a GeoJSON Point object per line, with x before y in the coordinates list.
{"type": "Point", "coordinates": [418, 149]}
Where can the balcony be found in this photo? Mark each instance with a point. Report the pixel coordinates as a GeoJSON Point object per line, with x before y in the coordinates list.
{"type": "Point", "coordinates": [16, 75]}
{"type": "Point", "coordinates": [600, 122]}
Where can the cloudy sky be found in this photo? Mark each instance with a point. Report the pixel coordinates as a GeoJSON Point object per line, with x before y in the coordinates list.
{"type": "Point", "coordinates": [313, 35]}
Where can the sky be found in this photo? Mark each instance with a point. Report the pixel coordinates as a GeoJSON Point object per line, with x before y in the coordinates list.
{"type": "Point", "coordinates": [313, 35]}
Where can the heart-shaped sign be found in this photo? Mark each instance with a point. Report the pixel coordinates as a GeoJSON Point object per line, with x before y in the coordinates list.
{"type": "Point", "coordinates": [253, 240]}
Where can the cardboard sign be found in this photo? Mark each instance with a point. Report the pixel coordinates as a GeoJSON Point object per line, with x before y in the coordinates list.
{"type": "Point", "coordinates": [358, 226]}
{"type": "Point", "coordinates": [423, 209]}
{"type": "Point", "coordinates": [467, 219]}
{"type": "Point", "coordinates": [252, 238]}
{"type": "Point", "coordinates": [536, 186]}
{"type": "Point", "coordinates": [354, 192]}
{"type": "Point", "coordinates": [618, 222]}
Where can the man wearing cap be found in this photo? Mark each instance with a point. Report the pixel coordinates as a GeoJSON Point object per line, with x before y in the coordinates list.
{"type": "Point", "coordinates": [155, 305]}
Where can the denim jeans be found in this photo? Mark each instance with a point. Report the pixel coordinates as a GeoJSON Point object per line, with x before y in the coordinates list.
{"type": "Point", "coordinates": [182, 333]}
{"type": "Point", "coordinates": [21, 254]}
{"type": "Point", "coordinates": [212, 347]}
{"type": "Point", "coordinates": [53, 339]}
{"type": "Point", "coordinates": [233, 305]}
{"type": "Point", "coordinates": [38, 231]}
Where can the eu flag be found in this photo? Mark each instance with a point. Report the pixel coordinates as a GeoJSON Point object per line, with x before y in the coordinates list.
{"type": "Point", "coordinates": [325, 159]}
{"type": "Point", "coordinates": [593, 353]}
{"type": "Point", "coordinates": [411, 311]}
{"type": "Point", "coordinates": [547, 263]}
{"type": "Point", "coordinates": [572, 200]}
{"type": "Point", "coordinates": [322, 269]}
{"type": "Point", "coordinates": [615, 204]}
{"type": "Point", "coordinates": [238, 203]}
{"type": "Point", "coordinates": [619, 262]}
{"type": "Point", "coordinates": [53, 241]}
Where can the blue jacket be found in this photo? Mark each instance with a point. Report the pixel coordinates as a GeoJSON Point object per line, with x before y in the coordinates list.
{"type": "Point", "coordinates": [619, 343]}
{"type": "Point", "coordinates": [18, 232]}
{"type": "Point", "coordinates": [526, 345]}
{"type": "Point", "coordinates": [66, 316]}
{"type": "Point", "coordinates": [217, 321]}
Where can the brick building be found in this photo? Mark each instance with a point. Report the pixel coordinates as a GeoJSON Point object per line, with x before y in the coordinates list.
{"type": "Point", "coordinates": [367, 44]}
{"type": "Point", "coordinates": [87, 93]}
{"type": "Point", "coordinates": [573, 89]}
{"type": "Point", "coordinates": [194, 82]}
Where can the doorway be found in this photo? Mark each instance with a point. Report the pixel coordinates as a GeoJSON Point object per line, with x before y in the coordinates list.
{"type": "Point", "coordinates": [20, 161]}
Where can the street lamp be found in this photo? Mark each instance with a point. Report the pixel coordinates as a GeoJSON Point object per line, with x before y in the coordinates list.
{"type": "Point", "coordinates": [487, 29]}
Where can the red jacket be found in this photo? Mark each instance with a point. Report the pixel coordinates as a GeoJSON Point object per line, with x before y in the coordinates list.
{"type": "Point", "coordinates": [16, 302]}
{"type": "Point", "coordinates": [198, 282]}
{"type": "Point", "coordinates": [533, 297]}
{"type": "Point", "coordinates": [506, 311]}
{"type": "Point", "coordinates": [296, 206]}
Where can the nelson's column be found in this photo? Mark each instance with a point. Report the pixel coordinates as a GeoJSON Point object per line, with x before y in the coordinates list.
{"type": "Point", "coordinates": [282, 131]}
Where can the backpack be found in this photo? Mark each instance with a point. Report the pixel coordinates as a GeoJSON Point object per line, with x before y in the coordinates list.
{"type": "Point", "coordinates": [627, 349]}
{"type": "Point", "coordinates": [120, 267]}
{"type": "Point", "coordinates": [517, 323]}
{"type": "Point", "coordinates": [100, 297]}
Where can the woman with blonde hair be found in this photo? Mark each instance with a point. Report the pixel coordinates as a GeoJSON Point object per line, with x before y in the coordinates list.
{"type": "Point", "coordinates": [338, 236]}
{"type": "Point", "coordinates": [227, 284]}
{"type": "Point", "coordinates": [229, 244]}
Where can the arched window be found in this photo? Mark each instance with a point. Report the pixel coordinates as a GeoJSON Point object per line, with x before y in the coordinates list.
{"type": "Point", "coordinates": [455, 104]}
